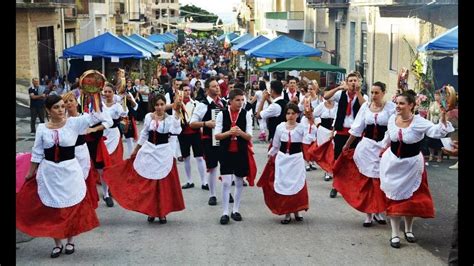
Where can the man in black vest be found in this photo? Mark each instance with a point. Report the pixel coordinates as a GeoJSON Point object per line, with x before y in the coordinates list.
{"type": "Point", "coordinates": [202, 119]}
{"type": "Point", "coordinates": [170, 97]}
{"type": "Point", "coordinates": [349, 99]}
{"type": "Point", "coordinates": [292, 94]}
{"type": "Point", "coordinates": [234, 131]}
{"type": "Point", "coordinates": [274, 113]}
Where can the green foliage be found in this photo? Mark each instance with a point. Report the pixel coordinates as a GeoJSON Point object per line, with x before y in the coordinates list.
{"type": "Point", "coordinates": [149, 68]}
{"type": "Point", "coordinates": [198, 10]}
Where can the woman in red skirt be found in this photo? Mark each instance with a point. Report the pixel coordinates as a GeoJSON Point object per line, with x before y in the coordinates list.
{"type": "Point", "coordinates": [56, 203]}
{"type": "Point", "coordinates": [148, 182]}
{"type": "Point", "coordinates": [402, 174]}
{"type": "Point", "coordinates": [284, 178]}
{"type": "Point", "coordinates": [113, 139]}
{"type": "Point", "coordinates": [356, 172]}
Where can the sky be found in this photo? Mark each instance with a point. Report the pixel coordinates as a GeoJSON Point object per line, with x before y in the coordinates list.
{"type": "Point", "coordinates": [224, 11]}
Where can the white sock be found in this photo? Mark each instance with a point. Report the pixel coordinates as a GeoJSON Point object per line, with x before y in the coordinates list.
{"type": "Point", "coordinates": [187, 168]}
{"type": "Point", "coordinates": [105, 188]}
{"type": "Point", "coordinates": [201, 165]}
{"type": "Point", "coordinates": [408, 223]}
{"type": "Point", "coordinates": [368, 218]}
{"type": "Point", "coordinates": [226, 184]}
{"type": "Point", "coordinates": [239, 186]}
{"type": "Point", "coordinates": [129, 145]}
{"type": "Point", "coordinates": [395, 223]}
{"type": "Point", "coordinates": [212, 182]}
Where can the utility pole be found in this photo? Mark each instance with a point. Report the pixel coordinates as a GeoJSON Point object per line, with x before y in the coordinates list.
{"type": "Point", "coordinates": [168, 18]}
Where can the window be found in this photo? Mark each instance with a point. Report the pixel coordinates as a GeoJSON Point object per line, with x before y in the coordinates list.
{"type": "Point", "coordinates": [172, 12]}
{"type": "Point", "coordinates": [157, 14]}
{"type": "Point", "coordinates": [363, 42]}
{"type": "Point", "coordinates": [394, 47]}
{"type": "Point", "coordinates": [352, 46]}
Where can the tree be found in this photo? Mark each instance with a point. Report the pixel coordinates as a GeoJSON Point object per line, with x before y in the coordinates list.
{"type": "Point", "coordinates": [198, 14]}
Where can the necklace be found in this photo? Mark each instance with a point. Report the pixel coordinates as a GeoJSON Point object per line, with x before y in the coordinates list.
{"type": "Point", "coordinates": [406, 120]}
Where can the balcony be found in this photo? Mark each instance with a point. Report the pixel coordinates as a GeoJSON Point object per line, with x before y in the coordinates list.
{"type": "Point", "coordinates": [45, 3]}
{"type": "Point", "coordinates": [328, 3]}
{"type": "Point", "coordinates": [419, 8]}
{"type": "Point", "coordinates": [70, 14]}
{"type": "Point", "coordinates": [115, 6]}
{"type": "Point", "coordinates": [284, 21]}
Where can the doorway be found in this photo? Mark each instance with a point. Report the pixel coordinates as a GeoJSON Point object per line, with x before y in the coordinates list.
{"type": "Point", "coordinates": [46, 52]}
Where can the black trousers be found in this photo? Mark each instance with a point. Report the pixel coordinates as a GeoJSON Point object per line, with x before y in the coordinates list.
{"type": "Point", "coordinates": [36, 112]}
{"type": "Point", "coordinates": [340, 141]}
{"type": "Point", "coordinates": [234, 163]}
{"type": "Point", "coordinates": [211, 153]}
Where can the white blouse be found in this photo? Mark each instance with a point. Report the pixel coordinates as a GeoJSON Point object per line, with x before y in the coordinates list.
{"type": "Point", "coordinates": [401, 177]}
{"type": "Point", "coordinates": [322, 111]}
{"type": "Point", "coordinates": [62, 184]}
{"type": "Point", "coordinates": [155, 161]}
{"type": "Point", "coordinates": [366, 117]}
{"type": "Point", "coordinates": [115, 111]}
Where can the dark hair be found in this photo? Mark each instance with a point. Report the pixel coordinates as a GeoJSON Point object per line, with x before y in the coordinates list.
{"type": "Point", "coordinates": [208, 81]}
{"type": "Point", "coordinates": [181, 87]}
{"type": "Point", "coordinates": [197, 82]}
{"type": "Point", "coordinates": [239, 85]}
{"type": "Point", "coordinates": [410, 96]}
{"type": "Point", "coordinates": [292, 78]}
{"type": "Point", "coordinates": [142, 79]}
{"type": "Point", "coordinates": [380, 84]}
{"type": "Point", "coordinates": [262, 85]}
{"type": "Point", "coordinates": [292, 106]}
{"type": "Point", "coordinates": [353, 74]}
{"type": "Point", "coordinates": [52, 100]}
{"type": "Point", "coordinates": [276, 86]}
{"type": "Point", "coordinates": [234, 93]}
{"type": "Point", "coordinates": [154, 99]}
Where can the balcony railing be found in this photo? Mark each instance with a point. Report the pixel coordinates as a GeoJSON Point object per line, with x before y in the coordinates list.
{"type": "Point", "coordinates": [290, 15]}
{"type": "Point", "coordinates": [328, 3]}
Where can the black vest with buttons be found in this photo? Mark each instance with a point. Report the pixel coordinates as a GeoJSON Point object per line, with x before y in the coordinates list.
{"type": "Point", "coordinates": [226, 125]}
{"type": "Point", "coordinates": [208, 131]}
{"type": "Point", "coordinates": [341, 110]}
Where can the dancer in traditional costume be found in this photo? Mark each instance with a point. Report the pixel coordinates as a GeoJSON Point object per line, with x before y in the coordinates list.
{"type": "Point", "coordinates": [129, 123]}
{"type": "Point", "coordinates": [323, 151]}
{"type": "Point", "coordinates": [349, 98]}
{"type": "Point", "coordinates": [403, 175]}
{"type": "Point", "coordinates": [148, 182]}
{"type": "Point", "coordinates": [284, 178]}
{"type": "Point", "coordinates": [191, 137]}
{"type": "Point", "coordinates": [202, 118]}
{"type": "Point", "coordinates": [56, 202]}
{"type": "Point", "coordinates": [356, 172]}
{"type": "Point", "coordinates": [234, 130]}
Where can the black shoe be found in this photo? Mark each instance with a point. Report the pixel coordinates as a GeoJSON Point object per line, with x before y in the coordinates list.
{"type": "Point", "coordinates": [162, 220]}
{"type": "Point", "coordinates": [236, 216]}
{"type": "Point", "coordinates": [380, 221]}
{"type": "Point", "coordinates": [327, 177]}
{"type": "Point", "coordinates": [188, 185]}
{"type": "Point", "coordinates": [367, 224]}
{"type": "Point", "coordinates": [299, 218]}
{"type": "Point", "coordinates": [333, 193]}
{"type": "Point", "coordinates": [411, 239]}
{"type": "Point", "coordinates": [212, 201]}
{"type": "Point", "coordinates": [233, 183]}
{"type": "Point", "coordinates": [313, 167]}
{"type": "Point", "coordinates": [308, 168]}
{"type": "Point", "coordinates": [69, 251]}
{"type": "Point", "coordinates": [55, 253]}
{"type": "Point", "coordinates": [180, 159]}
{"type": "Point", "coordinates": [151, 219]}
{"type": "Point", "coordinates": [286, 221]}
{"type": "Point", "coordinates": [245, 184]}
{"type": "Point", "coordinates": [231, 199]}
{"type": "Point", "coordinates": [109, 202]}
{"type": "Point", "coordinates": [224, 219]}
{"type": "Point", "coordinates": [395, 244]}
{"type": "Point", "coordinates": [205, 187]}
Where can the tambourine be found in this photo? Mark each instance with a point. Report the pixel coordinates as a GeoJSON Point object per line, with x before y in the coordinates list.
{"type": "Point", "coordinates": [91, 84]}
{"type": "Point", "coordinates": [448, 97]}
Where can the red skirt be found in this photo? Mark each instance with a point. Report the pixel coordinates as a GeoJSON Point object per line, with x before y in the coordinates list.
{"type": "Point", "coordinates": [420, 204]}
{"type": "Point", "coordinates": [133, 192]}
{"type": "Point", "coordinates": [91, 183]}
{"type": "Point", "coordinates": [277, 203]}
{"type": "Point", "coordinates": [115, 158]}
{"type": "Point", "coordinates": [361, 192]}
{"type": "Point", "coordinates": [38, 220]}
{"type": "Point", "coordinates": [306, 154]}
{"type": "Point", "coordinates": [323, 155]}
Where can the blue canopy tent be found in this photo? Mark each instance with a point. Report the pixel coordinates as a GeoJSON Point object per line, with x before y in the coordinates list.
{"type": "Point", "coordinates": [441, 53]}
{"type": "Point", "coordinates": [104, 46]}
{"type": "Point", "coordinates": [231, 35]}
{"type": "Point", "coordinates": [149, 48]}
{"type": "Point", "coordinates": [282, 47]}
{"type": "Point", "coordinates": [241, 38]}
{"type": "Point", "coordinates": [158, 38]}
{"type": "Point", "coordinates": [168, 37]}
{"type": "Point", "coordinates": [172, 35]}
{"type": "Point", "coordinates": [446, 42]}
{"type": "Point", "coordinates": [139, 38]}
{"type": "Point", "coordinates": [249, 44]}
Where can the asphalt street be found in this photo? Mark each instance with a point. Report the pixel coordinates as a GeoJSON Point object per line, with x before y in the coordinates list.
{"type": "Point", "coordinates": [331, 232]}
